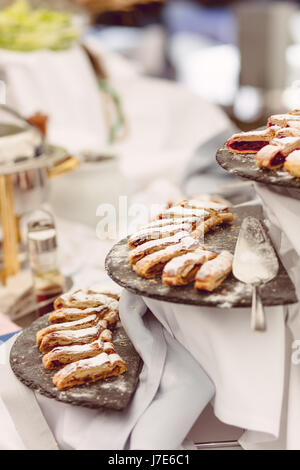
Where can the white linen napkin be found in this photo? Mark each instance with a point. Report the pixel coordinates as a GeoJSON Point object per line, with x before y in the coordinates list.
{"type": "Point", "coordinates": [246, 368]}
{"type": "Point", "coordinates": [172, 386]}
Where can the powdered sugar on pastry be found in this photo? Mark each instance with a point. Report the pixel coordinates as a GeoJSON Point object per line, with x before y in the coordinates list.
{"type": "Point", "coordinates": [154, 245]}
{"type": "Point", "coordinates": [178, 211]}
{"type": "Point", "coordinates": [157, 232]}
{"type": "Point", "coordinates": [187, 260]}
{"type": "Point", "coordinates": [221, 264]}
{"type": "Point", "coordinates": [82, 298]}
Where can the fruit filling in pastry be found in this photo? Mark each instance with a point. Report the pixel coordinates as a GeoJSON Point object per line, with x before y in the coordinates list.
{"type": "Point", "coordinates": [154, 245]}
{"type": "Point", "coordinates": [63, 315]}
{"type": "Point", "coordinates": [68, 337]}
{"type": "Point", "coordinates": [156, 233]}
{"type": "Point", "coordinates": [214, 272]}
{"type": "Point", "coordinates": [285, 120]}
{"type": "Point", "coordinates": [89, 370]}
{"type": "Point", "coordinates": [82, 299]}
{"type": "Point", "coordinates": [292, 163]}
{"type": "Point", "coordinates": [61, 356]}
{"type": "Point", "coordinates": [250, 142]}
{"type": "Point", "coordinates": [182, 269]}
{"type": "Point", "coordinates": [86, 322]}
{"type": "Point", "coordinates": [152, 265]}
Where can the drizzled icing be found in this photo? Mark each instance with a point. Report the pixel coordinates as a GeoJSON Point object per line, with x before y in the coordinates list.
{"type": "Point", "coordinates": [189, 260]}
{"type": "Point", "coordinates": [85, 296]}
{"type": "Point", "coordinates": [209, 205]}
{"type": "Point", "coordinates": [160, 243]}
{"type": "Point", "coordinates": [178, 211]}
{"type": "Point", "coordinates": [187, 243]}
{"type": "Point", "coordinates": [158, 232]}
{"type": "Point", "coordinates": [170, 221]}
{"type": "Point", "coordinates": [222, 264]}
{"type": "Point", "coordinates": [91, 363]}
{"type": "Point", "coordinates": [71, 324]}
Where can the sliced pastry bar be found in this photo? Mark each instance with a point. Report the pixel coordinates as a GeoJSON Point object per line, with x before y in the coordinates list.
{"type": "Point", "coordinates": [72, 314]}
{"type": "Point", "coordinates": [89, 370]}
{"type": "Point", "coordinates": [156, 233]}
{"type": "Point", "coordinates": [63, 355]}
{"type": "Point", "coordinates": [178, 212]}
{"type": "Point", "coordinates": [68, 337]}
{"type": "Point", "coordinates": [152, 265]}
{"type": "Point", "coordinates": [91, 320]}
{"type": "Point", "coordinates": [154, 245]}
{"type": "Point", "coordinates": [82, 299]}
{"type": "Point", "coordinates": [273, 156]}
{"type": "Point", "coordinates": [214, 272]}
{"type": "Point", "coordinates": [284, 120]}
{"type": "Point", "coordinates": [213, 221]}
{"type": "Point", "coordinates": [209, 206]}
{"type": "Point", "coordinates": [193, 220]}
{"type": "Point", "coordinates": [287, 132]}
{"type": "Point", "coordinates": [250, 142]}
{"type": "Point", "coordinates": [182, 270]}
{"type": "Point", "coordinates": [292, 164]}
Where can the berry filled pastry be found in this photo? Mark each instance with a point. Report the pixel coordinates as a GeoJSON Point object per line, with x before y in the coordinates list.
{"type": "Point", "coordinates": [273, 156]}
{"type": "Point", "coordinates": [292, 163]}
{"type": "Point", "coordinates": [285, 120]}
{"type": "Point", "coordinates": [250, 142]}
{"type": "Point", "coordinates": [89, 370]}
{"type": "Point", "coordinates": [214, 272]}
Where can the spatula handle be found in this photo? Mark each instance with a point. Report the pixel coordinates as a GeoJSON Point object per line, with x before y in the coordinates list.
{"type": "Point", "coordinates": [258, 320]}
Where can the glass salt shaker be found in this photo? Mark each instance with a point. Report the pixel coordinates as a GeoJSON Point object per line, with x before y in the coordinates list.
{"type": "Point", "coordinates": [48, 281]}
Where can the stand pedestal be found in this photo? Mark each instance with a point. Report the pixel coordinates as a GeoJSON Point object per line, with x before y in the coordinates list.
{"type": "Point", "coordinates": [11, 265]}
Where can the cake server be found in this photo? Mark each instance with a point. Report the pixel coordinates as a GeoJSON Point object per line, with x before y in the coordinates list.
{"type": "Point", "coordinates": [255, 263]}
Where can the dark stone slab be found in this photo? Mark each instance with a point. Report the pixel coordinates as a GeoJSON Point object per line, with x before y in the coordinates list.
{"type": "Point", "coordinates": [112, 393]}
{"type": "Point", "coordinates": [232, 293]}
{"type": "Point", "coordinates": [244, 166]}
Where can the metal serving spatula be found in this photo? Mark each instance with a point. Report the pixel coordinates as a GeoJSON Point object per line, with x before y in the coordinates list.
{"type": "Point", "coordinates": [255, 262]}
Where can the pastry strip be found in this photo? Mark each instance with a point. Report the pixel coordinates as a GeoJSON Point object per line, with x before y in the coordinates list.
{"type": "Point", "coordinates": [82, 299]}
{"type": "Point", "coordinates": [182, 270]}
{"type": "Point", "coordinates": [86, 322]}
{"type": "Point", "coordinates": [89, 370]}
{"type": "Point", "coordinates": [68, 337]}
{"type": "Point", "coordinates": [180, 212]}
{"type": "Point", "coordinates": [72, 314]}
{"type": "Point", "coordinates": [193, 220]}
{"type": "Point", "coordinates": [153, 264]}
{"type": "Point", "coordinates": [61, 356]}
{"type": "Point", "coordinates": [156, 233]}
{"type": "Point", "coordinates": [213, 221]}
{"type": "Point", "coordinates": [209, 206]}
{"type": "Point", "coordinates": [273, 156]}
{"type": "Point", "coordinates": [284, 120]}
{"type": "Point", "coordinates": [292, 164]}
{"type": "Point", "coordinates": [214, 272]}
{"type": "Point", "coordinates": [154, 245]}
{"type": "Point", "coordinates": [250, 142]}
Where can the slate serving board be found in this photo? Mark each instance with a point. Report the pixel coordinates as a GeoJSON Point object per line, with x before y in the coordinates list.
{"type": "Point", "coordinates": [232, 293]}
{"type": "Point", "coordinates": [112, 393]}
{"type": "Point", "coordinates": [244, 166]}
